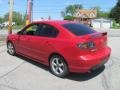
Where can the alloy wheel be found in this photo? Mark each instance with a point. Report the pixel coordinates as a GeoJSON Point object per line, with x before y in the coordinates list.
{"type": "Point", "coordinates": [10, 48]}
{"type": "Point", "coordinates": [58, 66]}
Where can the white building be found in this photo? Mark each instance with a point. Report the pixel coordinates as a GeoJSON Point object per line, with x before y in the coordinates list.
{"type": "Point", "coordinates": [43, 19]}
{"type": "Point", "coordinates": [101, 23]}
{"type": "Point", "coordinates": [7, 23]}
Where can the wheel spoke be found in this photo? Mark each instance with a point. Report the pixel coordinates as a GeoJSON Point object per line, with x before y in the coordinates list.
{"type": "Point", "coordinates": [10, 48]}
{"type": "Point", "coordinates": [54, 63]}
{"type": "Point", "coordinates": [57, 61]}
{"type": "Point", "coordinates": [61, 65]}
{"type": "Point", "coordinates": [57, 71]}
{"type": "Point", "coordinates": [11, 51]}
{"type": "Point", "coordinates": [60, 69]}
{"type": "Point", "coordinates": [57, 66]}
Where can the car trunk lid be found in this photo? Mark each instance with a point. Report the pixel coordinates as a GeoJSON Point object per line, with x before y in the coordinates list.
{"type": "Point", "coordinates": [98, 39]}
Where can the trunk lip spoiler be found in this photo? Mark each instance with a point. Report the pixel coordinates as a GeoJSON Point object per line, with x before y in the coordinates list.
{"type": "Point", "coordinates": [99, 34]}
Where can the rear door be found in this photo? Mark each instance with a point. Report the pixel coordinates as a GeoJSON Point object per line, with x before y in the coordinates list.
{"type": "Point", "coordinates": [43, 41]}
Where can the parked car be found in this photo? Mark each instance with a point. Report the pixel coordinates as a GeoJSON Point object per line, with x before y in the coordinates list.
{"type": "Point", "coordinates": [62, 45]}
{"type": "Point", "coordinates": [1, 26]}
{"type": "Point", "coordinates": [7, 23]}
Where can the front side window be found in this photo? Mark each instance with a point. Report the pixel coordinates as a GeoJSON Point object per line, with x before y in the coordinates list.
{"type": "Point", "coordinates": [30, 30]}
{"type": "Point", "coordinates": [40, 30]}
{"type": "Point", "coordinates": [78, 29]}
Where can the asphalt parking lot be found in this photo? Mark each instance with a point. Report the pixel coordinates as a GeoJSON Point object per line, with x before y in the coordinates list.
{"type": "Point", "coordinates": [19, 73]}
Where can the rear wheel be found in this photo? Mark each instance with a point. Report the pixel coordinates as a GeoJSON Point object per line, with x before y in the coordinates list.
{"type": "Point", "coordinates": [58, 66]}
{"type": "Point", "coordinates": [10, 48]}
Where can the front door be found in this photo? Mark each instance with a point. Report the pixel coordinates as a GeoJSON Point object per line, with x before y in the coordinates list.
{"type": "Point", "coordinates": [25, 40]}
{"type": "Point", "coordinates": [37, 41]}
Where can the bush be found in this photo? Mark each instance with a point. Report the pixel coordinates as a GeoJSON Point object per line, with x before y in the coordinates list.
{"type": "Point", "coordinates": [68, 17]}
{"type": "Point", "coordinates": [115, 25]}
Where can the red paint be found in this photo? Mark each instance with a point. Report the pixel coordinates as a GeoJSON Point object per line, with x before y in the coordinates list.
{"type": "Point", "coordinates": [65, 44]}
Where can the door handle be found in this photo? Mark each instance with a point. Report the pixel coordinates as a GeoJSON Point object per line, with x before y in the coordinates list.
{"type": "Point", "coordinates": [47, 42]}
{"type": "Point", "coordinates": [23, 39]}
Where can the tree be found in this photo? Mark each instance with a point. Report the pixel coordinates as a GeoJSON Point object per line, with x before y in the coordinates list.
{"type": "Point", "coordinates": [18, 18]}
{"type": "Point", "coordinates": [101, 14]}
{"type": "Point", "coordinates": [71, 9]}
{"type": "Point", "coordinates": [115, 12]}
{"type": "Point", "coordinates": [1, 20]}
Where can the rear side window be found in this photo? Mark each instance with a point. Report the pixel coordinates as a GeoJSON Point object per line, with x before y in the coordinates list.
{"type": "Point", "coordinates": [78, 29]}
{"type": "Point", "coordinates": [48, 31]}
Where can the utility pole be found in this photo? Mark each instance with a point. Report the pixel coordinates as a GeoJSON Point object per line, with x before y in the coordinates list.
{"type": "Point", "coordinates": [29, 11]}
{"type": "Point", "coordinates": [49, 18]}
{"type": "Point", "coordinates": [10, 16]}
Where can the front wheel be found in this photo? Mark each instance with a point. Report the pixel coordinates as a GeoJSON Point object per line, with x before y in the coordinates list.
{"type": "Point", "coordinates": [10, 48]}
{"type": "Point", "coordinates": [58, 66]}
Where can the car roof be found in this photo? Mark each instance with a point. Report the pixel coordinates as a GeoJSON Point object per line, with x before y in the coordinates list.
{"type": "Point", "coordinates": [60, 22]}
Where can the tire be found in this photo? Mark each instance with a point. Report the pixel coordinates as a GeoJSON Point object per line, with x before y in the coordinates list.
{"type": "Point", "coordinates": [58, 66]}
{"type": "Point", "coordinates": [11, 48]}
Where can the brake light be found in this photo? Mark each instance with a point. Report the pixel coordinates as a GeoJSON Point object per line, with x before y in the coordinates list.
{"type": "Point", "coordinates": [104, 33]}
{"type": "Point", "coordinates": [86, 45]}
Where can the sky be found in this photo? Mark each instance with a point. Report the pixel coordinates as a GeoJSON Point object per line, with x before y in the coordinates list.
{"type": "Point", "coordinates": [45, 8]}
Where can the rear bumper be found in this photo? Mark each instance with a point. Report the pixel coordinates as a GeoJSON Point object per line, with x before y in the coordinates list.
{"type": "Point", "coordinates": [86, 63]}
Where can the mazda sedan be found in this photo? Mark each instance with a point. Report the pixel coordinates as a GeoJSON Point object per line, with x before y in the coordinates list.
{"type": "Point", "coordinates": [62, 45]}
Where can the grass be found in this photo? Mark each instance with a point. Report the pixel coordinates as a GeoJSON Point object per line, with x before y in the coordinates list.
{"type": "Point", "coordinates": [115, 27]}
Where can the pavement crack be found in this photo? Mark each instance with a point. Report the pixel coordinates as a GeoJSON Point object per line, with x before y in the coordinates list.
{"type": "Point", "coordinates": [2, 51]}
{"type": "Point", "coordinates": [106, 81]}
{"type": "Point", "coordinates": [13, 88]}
{"type": "Point", "coordinates": [12, 70]}
{"type": "Point", "coordinates": [116, 60]}
{"type": "Point", "coordinates": [106, 75]}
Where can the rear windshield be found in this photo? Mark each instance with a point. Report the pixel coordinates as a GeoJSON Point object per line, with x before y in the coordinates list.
{"type": "Point", "coordinates": [78, 29]}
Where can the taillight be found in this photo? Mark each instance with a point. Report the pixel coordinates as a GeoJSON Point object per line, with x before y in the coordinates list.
{"type": "Point", "coordinates": [86, 45]}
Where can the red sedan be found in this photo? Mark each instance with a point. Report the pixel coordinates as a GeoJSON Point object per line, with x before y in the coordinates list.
{"type": "Point", "coordinates": [64, 46]}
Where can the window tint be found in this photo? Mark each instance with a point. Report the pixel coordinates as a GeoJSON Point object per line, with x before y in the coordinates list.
{"type": "Point", "coordinates": [78, 29]}
{"type": "Point", "coordinates": [30, 30]}
{"type": "Point", "coordinates": [47, 31]}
